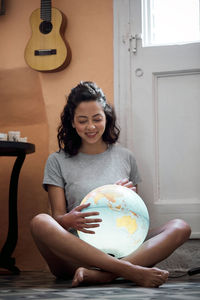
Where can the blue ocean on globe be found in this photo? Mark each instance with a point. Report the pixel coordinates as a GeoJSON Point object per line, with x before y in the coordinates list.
{"type": "Point", "coordinates": [125, 220]}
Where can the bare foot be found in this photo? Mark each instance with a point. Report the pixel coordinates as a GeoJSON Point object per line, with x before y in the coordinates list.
{"type": "Point", "coordinates": [147, 277]}
{"type": "Point", "coordinates": [83, 275]}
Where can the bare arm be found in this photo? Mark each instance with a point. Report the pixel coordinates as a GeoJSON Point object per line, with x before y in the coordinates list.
{"type": "Point", "coordinates": [57, 201]}
{"type": "Point", "coordinates": [75, 218]}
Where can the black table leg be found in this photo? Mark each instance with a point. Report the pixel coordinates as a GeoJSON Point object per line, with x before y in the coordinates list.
{"type": "Point", "coordinates": [6, 259]}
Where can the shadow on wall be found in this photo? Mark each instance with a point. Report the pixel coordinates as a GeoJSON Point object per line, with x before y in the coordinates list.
{"type": "Point", "coordinates": [22, 108]}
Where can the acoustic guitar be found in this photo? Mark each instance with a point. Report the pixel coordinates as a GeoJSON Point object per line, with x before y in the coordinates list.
{"type": "Point", "coordinates": [46, 50]}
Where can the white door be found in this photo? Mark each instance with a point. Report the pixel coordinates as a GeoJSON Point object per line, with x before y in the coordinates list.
{"type": "Point", "coordinates": [157, 100]}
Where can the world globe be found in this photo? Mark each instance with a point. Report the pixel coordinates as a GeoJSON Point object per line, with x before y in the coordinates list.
{"type": "Point", "coordinates": [125, 220]}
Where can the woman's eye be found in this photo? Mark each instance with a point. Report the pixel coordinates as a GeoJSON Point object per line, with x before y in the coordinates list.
{"type": "Point", "coordinates": [82, 122]}
{"type": "Point", "coordinates": [97, 120]}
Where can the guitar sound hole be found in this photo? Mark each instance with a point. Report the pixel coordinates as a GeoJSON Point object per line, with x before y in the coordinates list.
{"type": "Point", "coordinates": [45, 27]}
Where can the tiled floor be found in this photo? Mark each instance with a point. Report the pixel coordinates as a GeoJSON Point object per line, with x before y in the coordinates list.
{"type": "Point", "coordinates": [42, 285]}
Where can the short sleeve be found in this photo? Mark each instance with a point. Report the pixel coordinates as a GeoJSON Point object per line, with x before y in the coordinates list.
{"type": "Point", "coordinates": [52, 173]}
{"type": "Point", "coordinates": [134, 174]}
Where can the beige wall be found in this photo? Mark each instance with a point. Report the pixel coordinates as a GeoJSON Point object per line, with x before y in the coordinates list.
{"type": "Point", "coordinates": [31, 101]}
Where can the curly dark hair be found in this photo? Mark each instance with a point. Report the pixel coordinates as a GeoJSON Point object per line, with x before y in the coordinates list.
{"type": "Point", "coordinates": [68, 139]}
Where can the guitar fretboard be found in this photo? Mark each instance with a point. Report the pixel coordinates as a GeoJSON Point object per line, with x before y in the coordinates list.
{"type": "Point", "coordinates": [45, 10]}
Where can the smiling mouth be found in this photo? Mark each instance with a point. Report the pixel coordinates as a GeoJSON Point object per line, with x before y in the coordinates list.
{"type": "Point", "coordinates": [91, 134]}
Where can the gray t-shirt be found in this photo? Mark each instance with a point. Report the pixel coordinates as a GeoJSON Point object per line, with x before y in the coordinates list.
{"type": "Point", "coordinates": [80, 174]}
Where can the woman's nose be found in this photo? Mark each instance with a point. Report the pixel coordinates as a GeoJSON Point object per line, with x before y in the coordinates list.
{"type": "Point", "coordinates": [91, 125]}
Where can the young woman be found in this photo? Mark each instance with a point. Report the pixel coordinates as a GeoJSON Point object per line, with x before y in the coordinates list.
{"type": "Point", "coordinates": [89, 157]}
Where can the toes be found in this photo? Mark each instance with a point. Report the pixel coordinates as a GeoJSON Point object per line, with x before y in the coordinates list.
{"type": "Point", "coordinates": [78, 277]}
{"type": "Point", "coordinates": [166, 274]}
{"type": "Point", "coordinates": [163, 273]}
{"type": "Point", "coordinates": [74, 282]}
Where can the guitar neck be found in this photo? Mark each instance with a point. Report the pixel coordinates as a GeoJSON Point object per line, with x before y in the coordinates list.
{"type": "Point", "coordinates": [45, 10]}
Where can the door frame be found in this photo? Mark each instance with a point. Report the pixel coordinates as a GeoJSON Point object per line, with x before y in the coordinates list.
{"type": "Point", "coordinates": [122, 65]}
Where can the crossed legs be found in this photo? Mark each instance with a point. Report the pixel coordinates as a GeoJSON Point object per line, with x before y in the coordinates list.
{"type": "Point", "coordinates": [69, 256]}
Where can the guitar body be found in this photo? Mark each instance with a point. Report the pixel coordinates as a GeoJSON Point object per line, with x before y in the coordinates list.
{"type": "Point", "coordinates": [46, 49]}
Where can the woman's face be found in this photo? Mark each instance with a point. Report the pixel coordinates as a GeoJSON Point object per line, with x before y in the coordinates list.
{"type": "Point", "coordinates": [89, 122]}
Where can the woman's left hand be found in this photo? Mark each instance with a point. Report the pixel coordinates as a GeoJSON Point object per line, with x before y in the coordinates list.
{"type": "Point", "coordinates": [125, 182]}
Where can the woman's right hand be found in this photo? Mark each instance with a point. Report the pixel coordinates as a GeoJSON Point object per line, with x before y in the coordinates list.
{"type": "Point", "coordinates": [79, 220]}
